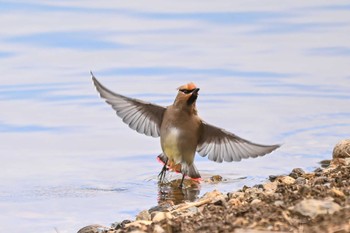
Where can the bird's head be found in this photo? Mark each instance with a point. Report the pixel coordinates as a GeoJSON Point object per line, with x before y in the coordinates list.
{"type": "Point", "coordinates": [187, 96]}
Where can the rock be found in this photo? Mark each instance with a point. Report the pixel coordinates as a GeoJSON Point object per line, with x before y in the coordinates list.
{"type": "Point", "coordinates": [296, 172]}
{"type": "Point", "coordinates": [270, 187]}
{"type": "Point", "coordinates": [325, 163]}
{"type": "Point", "coordinates": [93, 229]}
{"type": "Point", "coordinates": [118, 225]}
{"type": "Point", "coordinates": [234, 202]}
{"type": "Point", "coordinates": [143, 215]}
{"type": "Point", "coordinates": [320, 180]}
{"type": "Point", "coordinates": [258, 186]}
{"type": "Point", "coordinates": [255, 201]}
{"type": "Point", "coordinates": [279, 203]}
{"type": "Point", "coordinates": [211, 195]}
{"type": "Point", "coordinates": [161, 207]}
{"type": "Point", "coordinates": [158, 229]}
{"type": "Point", "coordinates": [242, 230]}
{"type": "Point", "coordinates": [313, 207]}
{"type": "Point", "coordinates": [287, 180]}
{"type": "Point", "coordinates": [300, 181]}
{"type": "Point", "coordinates": [140, 224]}
{"type": "Point", "coordinates": [216, 179]}
{"type": "Point", "coordinates": [342, 149]}
{"type": "Point", "coordinates": [160, 216]}
{"type": "Point", "coordinates": [236, 195]}
{"type": "Point", "coordinates": [272, 178]}
{"type": "Point", "coordinates": [305, 190]}
{"type": "Point", "coordinates": [240, 222]}
{"type": "Point", "coordinates": [347, 161]}
{"type": "Point", "coordinates": [337, 192]}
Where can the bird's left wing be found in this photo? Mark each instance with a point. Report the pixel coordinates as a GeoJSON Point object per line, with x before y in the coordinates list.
{"type": "Point", "coordinates": [141, 116]}
{"type": "Point", "coordinates": [220, 145]}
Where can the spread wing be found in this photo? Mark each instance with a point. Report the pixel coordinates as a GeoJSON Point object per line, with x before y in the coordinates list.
{"type": "Point", "coordinates": [141, 116]}
{"type": "Point", "coordinates": [220, 145]}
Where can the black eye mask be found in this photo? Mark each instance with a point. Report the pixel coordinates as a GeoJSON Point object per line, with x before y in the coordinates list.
{"type": "Point", "coordinates": [186, 91]}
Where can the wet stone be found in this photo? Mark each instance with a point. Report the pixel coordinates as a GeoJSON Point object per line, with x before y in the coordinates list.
{"type": "Point", "coordinates": [325, 163]}
{"type": "Point", "coordinates": [216, 178]}
{"type": "Point", "coordinates": [272, 178]}
{"type": "Point", "coordinates": [296, 172]}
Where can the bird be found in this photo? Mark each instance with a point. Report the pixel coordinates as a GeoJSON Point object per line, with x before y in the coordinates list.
{"type": "Point", "coordinates": [182, 132]}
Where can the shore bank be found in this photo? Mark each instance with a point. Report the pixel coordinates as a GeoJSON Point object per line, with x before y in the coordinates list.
{"type": "Point", "coordinates": [318, 201]}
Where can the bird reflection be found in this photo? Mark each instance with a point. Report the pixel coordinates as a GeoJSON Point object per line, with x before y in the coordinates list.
{"type": "Point", "coordinates": [170, 193]}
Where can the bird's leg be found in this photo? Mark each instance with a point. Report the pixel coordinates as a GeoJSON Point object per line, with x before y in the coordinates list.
{"type": "Point", "coordinates": [182, 180]}
{"type": "Point", "coordinates": [162, 173]}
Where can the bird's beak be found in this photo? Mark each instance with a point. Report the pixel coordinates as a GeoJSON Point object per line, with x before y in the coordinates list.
{"type": "Point", "coordinates": [195, 91]}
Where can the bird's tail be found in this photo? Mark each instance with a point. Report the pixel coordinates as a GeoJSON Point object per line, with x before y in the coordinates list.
{"type": "Point", "coordinates": [162, 158]}
{"type": "Point", "coordinates": [190, 171]}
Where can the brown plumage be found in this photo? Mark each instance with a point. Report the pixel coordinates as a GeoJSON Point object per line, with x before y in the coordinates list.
{"type": "Point", "coordinates": [182, 132]}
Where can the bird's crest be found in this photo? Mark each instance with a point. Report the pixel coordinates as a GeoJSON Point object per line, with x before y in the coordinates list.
{"type": "Point", "coordinates": [188, 86]}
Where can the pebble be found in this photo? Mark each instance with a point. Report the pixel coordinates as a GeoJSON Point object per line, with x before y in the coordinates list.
{"type": "Point", "coordinates": [270, 187]}
{"type": "Point", "coordinates": [158, 229]}
{"type": "Point", "coordinates": [300, 181]}
{"type": "Point", "coordinates": [93, 229]}
{"type": "Point", "coordinates": [236, 195]}
{"type": "Point", "coordinates": [160, 216]}
{"type": "Point", "coordinates": [118, 225]}
{"type": "Point", "coordinates": [287, 180]}
{"type": "Point", "coordinates": [325, 163]}
{"type": "Point", "coordinates": [313, 207]}
{"type": "Point", "coordinates": [296, 172]}
{"type": "Point", "coordinates": [216, 179]}
{"type": "Point", "coordinates": [279, 203]}
{"type": "Point", "coordinates": [234, 202]}
{"type": "Point", "coordinates": [337, 192]}
{"type": "Point", "coordinates": [272, 178]}
{"type": "Point", "coordinates": [141, 224]}
{"type": "Point", "coordinates": [143, 215]}
{"type": "Point", "coordinates": [255, 201]}
{"type": "Point", "coordinates": [342, 149]}
{"type": "Point", "coordinates": [320, 180]}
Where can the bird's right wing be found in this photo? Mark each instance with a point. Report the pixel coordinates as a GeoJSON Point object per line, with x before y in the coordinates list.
{"type": "Point", "coordinates": [220, 145]}
{"type": "Point", "coordinates": [144, 117]}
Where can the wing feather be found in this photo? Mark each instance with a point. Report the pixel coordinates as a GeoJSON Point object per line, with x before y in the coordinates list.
{"type": "Point", "coordinates": [145, 118]}
{"type": "Point", "coordinates": [220, 145]}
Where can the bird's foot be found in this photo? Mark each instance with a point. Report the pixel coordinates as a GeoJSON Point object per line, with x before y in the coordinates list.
{"type": "Point", "coordinates": [162, 173]}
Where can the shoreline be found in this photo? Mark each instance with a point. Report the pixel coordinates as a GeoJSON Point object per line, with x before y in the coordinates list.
{"type": "Point", "coordinates": [317, 201]}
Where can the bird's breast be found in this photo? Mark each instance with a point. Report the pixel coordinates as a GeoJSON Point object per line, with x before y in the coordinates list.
{"type": "Point", "coordinates": [171, 144]}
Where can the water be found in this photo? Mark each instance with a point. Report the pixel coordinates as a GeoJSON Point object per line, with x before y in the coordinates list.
{"type": "Point", "coordinates": [271, 73]}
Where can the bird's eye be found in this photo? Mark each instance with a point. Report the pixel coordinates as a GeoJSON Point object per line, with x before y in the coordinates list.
{"type": "Point", "coordinates": [186, 91]}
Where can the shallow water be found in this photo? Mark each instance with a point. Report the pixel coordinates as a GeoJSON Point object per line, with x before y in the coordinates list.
{"type": "Point", "coordinates": [269, 73]}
